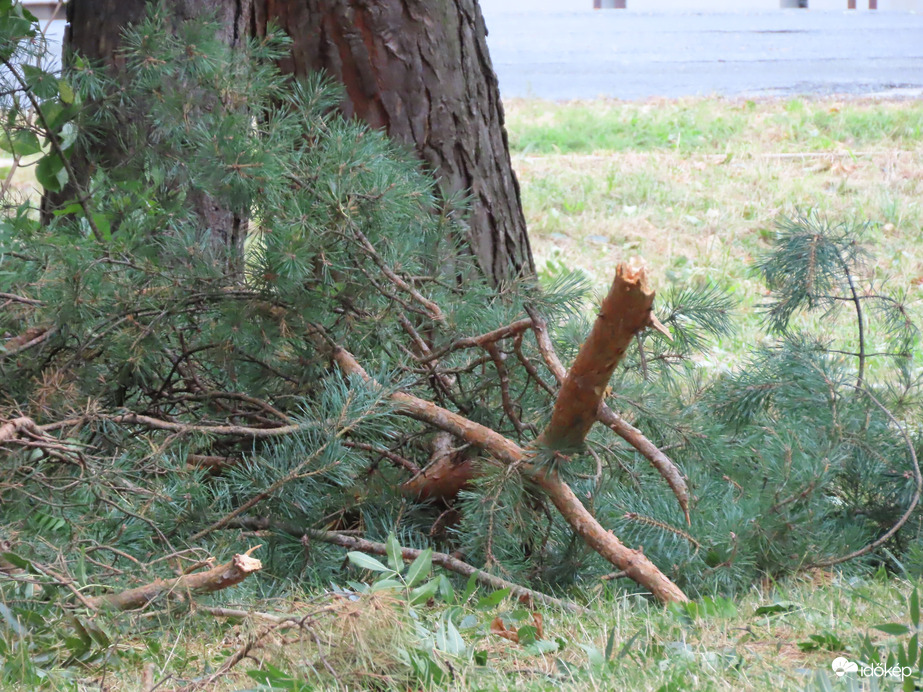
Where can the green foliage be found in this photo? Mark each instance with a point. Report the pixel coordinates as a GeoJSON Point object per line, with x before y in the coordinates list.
{"type": "Point", "coordinates": [147, 307]}
{"type": "Point", "coordinates": [40, 640]}
{"type": "Point", "coordinates": [789, 463]}
{"type": "Point", "coordinates": [219, 231]}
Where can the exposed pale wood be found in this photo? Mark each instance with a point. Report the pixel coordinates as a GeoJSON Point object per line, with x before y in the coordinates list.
{"type": "Point", "coordinates": [624, 312]}
{"type": "Point", "coordinates": [221, 577]}
{"type": "Point", "coordinates": [658, 459]}
{"type": "Point", "coordinates": [448, 472]}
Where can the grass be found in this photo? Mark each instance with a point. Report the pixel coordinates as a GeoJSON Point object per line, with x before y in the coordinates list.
{"type": "Point", "coordinates": [699, 189]}
{"type": "Point", "coordinates": [777, 637]}
{"type": "Point", "coordinates": [710, 125]}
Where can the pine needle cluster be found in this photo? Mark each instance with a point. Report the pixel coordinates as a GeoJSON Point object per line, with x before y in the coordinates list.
{"type": "Point", "coordinates": [179, 369]}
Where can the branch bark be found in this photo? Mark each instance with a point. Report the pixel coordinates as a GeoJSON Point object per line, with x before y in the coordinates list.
{"type": "Point", "coordinates": [448, 472]}
{"type": "Point", "coordinates": [634, 562]}
{"type": "Point", "coordinates": [605, 415]}
{"type": "Point", "coordinates": [215, 579]}
{"type": "Point", "coordinates": [444, 560]}
{"type": "Point", "coordinates": [11, 429]}
{"type": "Point", "coordinates": [624, 312]}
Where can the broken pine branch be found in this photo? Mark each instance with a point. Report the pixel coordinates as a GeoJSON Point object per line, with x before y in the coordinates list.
{"type": "Point", "coordinates": [605, 415]}
{"type": "Point", "coordinates": [638, 566]}
{"type": "Point", "coordinates": [221, 577]}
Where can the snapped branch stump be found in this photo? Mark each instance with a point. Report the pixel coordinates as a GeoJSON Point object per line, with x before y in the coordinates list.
{"type": "Point", "coordinates": [625, 311]}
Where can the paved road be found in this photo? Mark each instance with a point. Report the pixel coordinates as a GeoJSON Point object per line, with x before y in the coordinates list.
{"type": "Point", "coordinates": [633, 55]}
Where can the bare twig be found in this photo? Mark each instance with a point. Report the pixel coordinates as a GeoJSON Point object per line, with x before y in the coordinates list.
{"type": "Point", "coordinates": [393, 457]}
{"type": "Point", "coordinates": [241, 430]}
{"type": "Point", "coordinates": [435, 312]}
{"type": "Point", "coordinates": [32, 337]}
{"type": "Point", "coordinates": [408, 555]}
{"type": "Point", "coordinates": [491, 337]}
{"type": "Point", "coordinates": [504, 380]}
{"type": "Point", "coordinates": [20, 299]}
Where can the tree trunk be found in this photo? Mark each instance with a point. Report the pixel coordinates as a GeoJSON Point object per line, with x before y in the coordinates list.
{"type": "Point", "coordinates": [420, 70]}
{"type": "Point", "coordinates": [94, 31]}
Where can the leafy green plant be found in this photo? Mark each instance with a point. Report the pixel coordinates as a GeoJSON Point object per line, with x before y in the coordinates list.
{"type": "Point", "coordinates": [38, 638]}
{"type": "Point", "coordinates": [902, 652]}
{"type": "Point", "coordinates": [176, 384]}
{"type": "Point", "coordinates": [413, 583]}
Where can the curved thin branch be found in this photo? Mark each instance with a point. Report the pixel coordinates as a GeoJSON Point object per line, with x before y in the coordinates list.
{"type": "Point", "coordinates": [914, 501]}
{"type": "Point", "coordinates": [485, 339]}
{"type": "Point", "coordinates": [444, 560]}
{"type": "Point", "coordinates": [241, 430]}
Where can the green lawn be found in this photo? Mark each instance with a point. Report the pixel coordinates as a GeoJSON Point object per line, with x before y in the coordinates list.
{"type": "Point", "coordinates": [695, 187]}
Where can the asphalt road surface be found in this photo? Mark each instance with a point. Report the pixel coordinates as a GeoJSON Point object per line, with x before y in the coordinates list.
{"type": "Point", "coordinates": [633, 55]}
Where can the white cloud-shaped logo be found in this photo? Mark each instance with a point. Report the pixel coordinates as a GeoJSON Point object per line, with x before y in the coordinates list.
{"type": "Point", "coordinates": [841, 666]}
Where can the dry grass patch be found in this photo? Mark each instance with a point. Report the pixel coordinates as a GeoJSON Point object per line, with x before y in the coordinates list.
{"type": "Point", "coordinates": [703, 211]}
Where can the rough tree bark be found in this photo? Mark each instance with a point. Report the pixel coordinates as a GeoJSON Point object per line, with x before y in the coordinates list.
{"type": "Point", "coordinates": [420, 69]}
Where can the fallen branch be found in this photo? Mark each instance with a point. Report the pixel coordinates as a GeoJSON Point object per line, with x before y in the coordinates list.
{"type": "Point", "coordinates": [241, 430]}
{"type": "Point", "coordinates": [638, 567]}
{"type": "Point", "coordinates": [30, 338]}
{"type": "Point", "coordinates": [482, 340]}
{"type": "Point", "coordinates": [215, 579]}
{"type": "Point", "coordinates": [407, 554]}
{"type": "Point", "coordinates": [20, 299]}
{"type": "Point", "coordinates": [448, 471]}
{"type": "Point", "coordinates": [605, 415]}
{"type": "Point", "coordinates": [11, 429]}
{"type": "Point", "coordinates": [245, 614]}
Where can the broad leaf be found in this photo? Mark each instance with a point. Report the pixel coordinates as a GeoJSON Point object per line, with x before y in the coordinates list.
{"type": "Point", "coordinates": [65, 91]}
{"type": "Point", "coordinates": [50, 173]}
{"type": "Point", "coordinates": [43, 84]}
{"type": "Point", "coordinates": [915, 608]}
{"type": "Point", "coordinates": [21, 143]}
{"type": "Point", "coordinates": [894, 628]}
{"type": "Point", "coordinates": [491, 600]}
{"type": "Point", "coordinates": [423, 593]}
{"type": "Point", "coordinates": [420, 568]}
{"type": "Point", "coordinates": [393, 549]}
{"type": "Point", "coordinates": [367, 562]}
